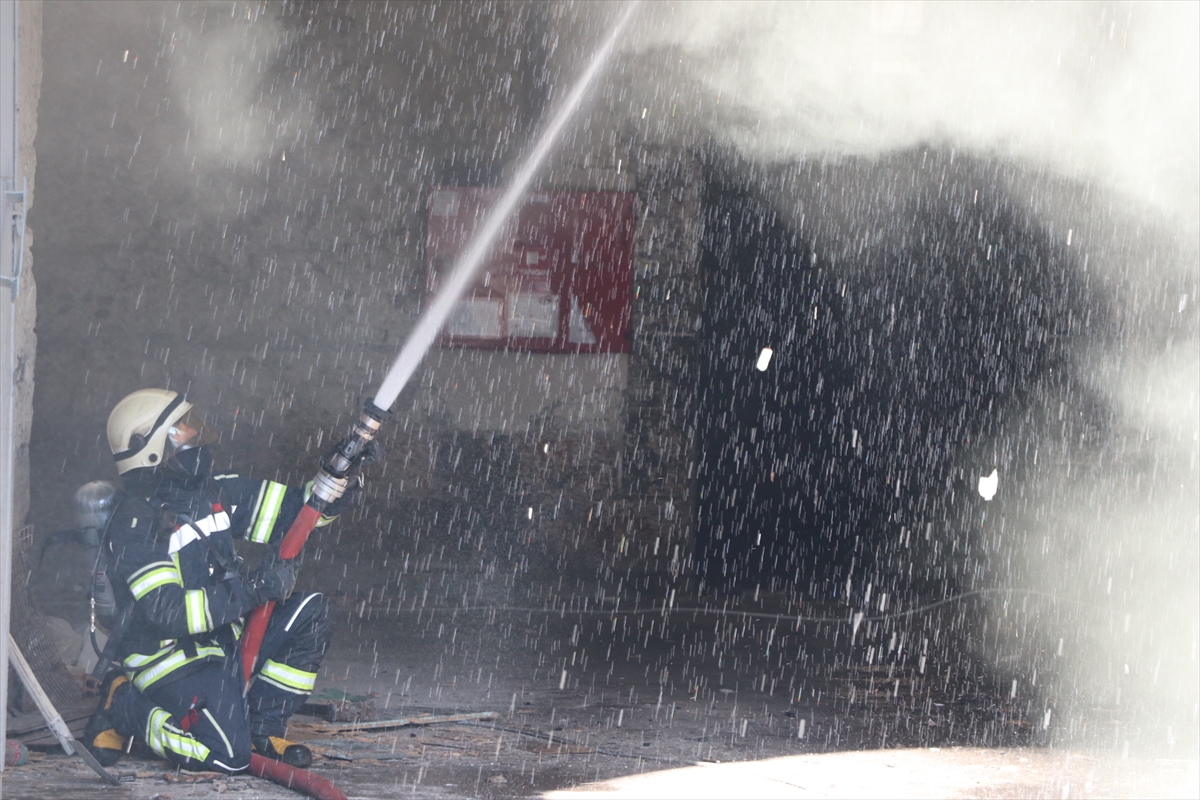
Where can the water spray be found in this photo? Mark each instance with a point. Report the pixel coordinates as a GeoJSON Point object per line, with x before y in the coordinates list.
{"type": "Point", "coordinates": [340, 466]}
{"type": "Point", "coordinates": [422, 336]}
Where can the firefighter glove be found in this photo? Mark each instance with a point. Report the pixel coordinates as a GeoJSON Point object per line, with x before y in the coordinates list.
{"type": "Point", "coordinates": [273, 580]}
{"type": "Point", "coordinates": [371, 453]}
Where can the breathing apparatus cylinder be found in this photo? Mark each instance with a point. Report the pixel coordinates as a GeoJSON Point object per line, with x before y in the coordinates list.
{"type": "Point", "coordinates": [94, 505]}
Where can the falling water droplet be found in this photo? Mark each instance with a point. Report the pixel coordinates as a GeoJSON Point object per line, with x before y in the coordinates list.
{"type": "Point", "coordinates": [764, 359]}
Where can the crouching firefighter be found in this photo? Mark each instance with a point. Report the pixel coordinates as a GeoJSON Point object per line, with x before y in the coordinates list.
{"type": "Point", "coordinates": [181, 592]}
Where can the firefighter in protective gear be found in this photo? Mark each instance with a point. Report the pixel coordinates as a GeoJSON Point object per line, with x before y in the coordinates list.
{"type": "Point", "coordinates": [169, 544]}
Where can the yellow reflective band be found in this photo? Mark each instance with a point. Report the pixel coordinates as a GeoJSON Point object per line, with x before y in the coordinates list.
{"type": "Point", "coordinates": [162, 736]}
{"type": "Point", "coordinates": [152, 576]}
{"type": "Point", "coordinates": [198, 618]}
{"type": "Point", "coordinates": [288, 678]}
{"type": "Point", "coordinates": [266, 511]}
{"type": "Point", "coordinates": [237, 628]}
{"type": "Point", "coordinates": [154, 723]}
{"type": "Point", "coordinates": [140, 660]}
{"type": "Point", "coordinates": [148, 677]}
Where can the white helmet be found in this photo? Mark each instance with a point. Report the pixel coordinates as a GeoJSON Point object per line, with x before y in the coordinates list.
{"type": "Point", "coordinates": [139, 424]}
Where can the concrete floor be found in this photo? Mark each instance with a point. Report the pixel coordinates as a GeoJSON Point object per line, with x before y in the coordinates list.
{"type": "Point", "coordinates": [445, 772]}
{"type": "Point", "coordinates": [645, 726]}
{"type": "Point", "coordinates": [640, 714]}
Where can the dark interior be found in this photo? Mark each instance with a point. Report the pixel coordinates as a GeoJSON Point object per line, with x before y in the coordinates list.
{"type": "Point", "coordinates": [857, 450]}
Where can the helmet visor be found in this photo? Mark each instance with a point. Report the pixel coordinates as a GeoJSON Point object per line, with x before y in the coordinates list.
{"type": "Point", "coordinates": [186, 432]}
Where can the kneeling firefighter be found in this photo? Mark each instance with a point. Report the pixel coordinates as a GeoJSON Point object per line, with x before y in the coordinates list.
{"type": "Point", "coordinates": [181, 593]}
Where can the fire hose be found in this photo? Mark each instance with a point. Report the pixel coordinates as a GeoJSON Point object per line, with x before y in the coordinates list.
{"type": "Point", "coordinates": [291, 777]}
{"type": "Point", "coordinates": [340, 466]}
{"type": "Point", "coordinates": [337, 470]}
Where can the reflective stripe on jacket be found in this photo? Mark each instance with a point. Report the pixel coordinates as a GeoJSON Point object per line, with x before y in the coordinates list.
{"type": "Point", "coordinates": [169, 551]}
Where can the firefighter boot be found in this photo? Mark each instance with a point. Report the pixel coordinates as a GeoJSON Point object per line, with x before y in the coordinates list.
{"type": "Point", "coordinates": [280, 749]}
{"type": "Point", "coordinates": [100, 736]}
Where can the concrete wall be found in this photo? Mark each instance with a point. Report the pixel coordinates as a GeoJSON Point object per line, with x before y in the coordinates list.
{"type": "Point", "coordinates": [29, 88]}
{"type": "Point", "coordinates": [232, 204]}
{"type": "Point", "coordinates": [20, 78]}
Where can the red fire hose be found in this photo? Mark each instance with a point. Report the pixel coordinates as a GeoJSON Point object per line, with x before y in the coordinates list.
{"type": "Point", "coordinates": [329, 485]}
{"type": "Point", "coordinates": [290, 547]}
{"type": "Point", "coordinates": [295, 778]}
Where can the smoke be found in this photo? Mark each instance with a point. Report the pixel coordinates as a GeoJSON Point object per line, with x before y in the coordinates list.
{"type": "Point", "coordinates": [230, 95]}
{"type": "Point", "coordinates": [222, 59]}
{"type": "Point", "coordinates": [1091, 111]}
{"type": "Point", "coordinates": [1091, 114]}
{"type": "Point", "coordinates": [1098, 92]}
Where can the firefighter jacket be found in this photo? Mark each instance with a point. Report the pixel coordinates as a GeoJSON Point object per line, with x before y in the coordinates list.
{"type": "Point", "coordinates": [170, 547]}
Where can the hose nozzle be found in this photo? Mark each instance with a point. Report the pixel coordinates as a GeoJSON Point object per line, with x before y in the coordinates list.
{"type": "Point", "coordinates": [339, 465]}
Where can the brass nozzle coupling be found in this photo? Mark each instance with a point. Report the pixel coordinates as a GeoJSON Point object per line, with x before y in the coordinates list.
{"type": "Point", "coordinates": [339, 466]}
{"type": "Point", "coordinates": [327, 488]}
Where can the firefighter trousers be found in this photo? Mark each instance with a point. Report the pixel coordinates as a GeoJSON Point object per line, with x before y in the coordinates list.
{"type": "Point", "coordinates": [204, 721]}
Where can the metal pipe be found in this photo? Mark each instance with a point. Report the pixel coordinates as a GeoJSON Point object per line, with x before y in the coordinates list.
{"type": "Point", "coordinates": [54, 720]}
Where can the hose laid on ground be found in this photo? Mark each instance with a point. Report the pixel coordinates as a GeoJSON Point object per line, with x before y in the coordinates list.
{"type": "Point", "coordinates": [294, 778]}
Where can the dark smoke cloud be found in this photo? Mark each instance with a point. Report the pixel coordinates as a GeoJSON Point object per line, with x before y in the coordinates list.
{"type": "Point", "coordinates": [1092, 112]}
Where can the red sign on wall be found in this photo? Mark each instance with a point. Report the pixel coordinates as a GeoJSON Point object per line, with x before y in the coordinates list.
{"type": "Point", "coordinates": [557, 281]}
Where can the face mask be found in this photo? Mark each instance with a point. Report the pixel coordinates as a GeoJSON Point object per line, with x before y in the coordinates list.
{"type": "Point", "coordinates": [195, 462]}
{"type": "Point", "coordinates": [186, 432]}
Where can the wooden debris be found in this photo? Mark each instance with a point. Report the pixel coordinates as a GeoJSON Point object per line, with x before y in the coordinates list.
{"type": "Point", "coordinates": [31, 729]}
{"type": "Point", "coordinates": [196, 777]}
{"type": "Point", "coordinates": [401, 722]}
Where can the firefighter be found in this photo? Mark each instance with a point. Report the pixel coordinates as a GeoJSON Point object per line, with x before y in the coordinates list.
{"type": "Point", "coordinates": [178, 683]}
